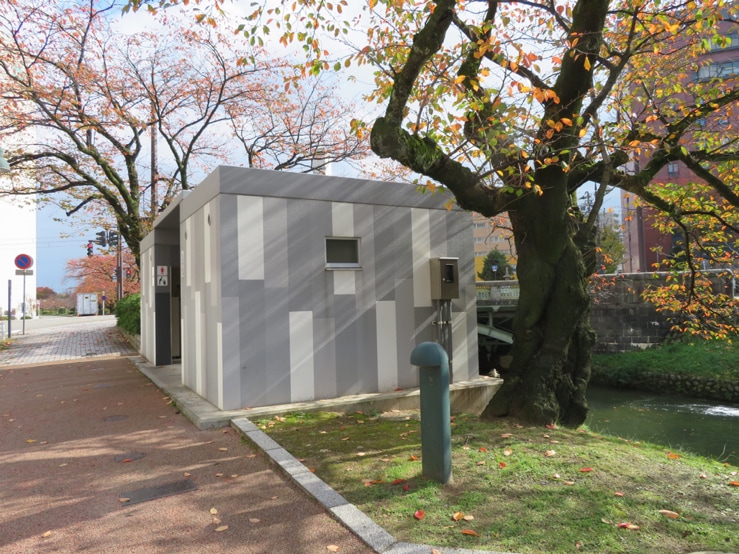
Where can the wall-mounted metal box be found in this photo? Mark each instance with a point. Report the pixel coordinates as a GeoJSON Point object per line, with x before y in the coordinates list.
{"type": "Point", "coordinates": [444, 278]}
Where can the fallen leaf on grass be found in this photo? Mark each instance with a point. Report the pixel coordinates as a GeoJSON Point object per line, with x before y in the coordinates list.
{"type": "Point", "coordinates": [456, 516]}
{"type": "Point", "coordinates": [629, 526]}
{"type": "Point", "coordinates": [672, 456]}
{"type": "Point", "coordinates": [332, 548]}
{"type": "Point", "coordinates": [483, 449]}
{"type": "Point", "coordinates": [586, 469]}
{"type": "Point", "coordinates": [221, 528]}
{"type": "Point", "coordinates": [549, 453]}
{"type": "Point", "coordinates": [507, 452]}
{"type": "Point", "coordinates": [406, 488]}
{"type": "Point", "coordinates": [470, 532]}
{"type": "Point", "coordinates": [734, 483]}
{"type": "Point", "coordinates": [398, 481]}
{"type": "Point", "coordinates": [670, 514]}
{"type": "Point", "coordinates": [419, 514]}
{"type": "Point", "coordinates": [618, 493]}
{"type": "Point", "coordinates": [414, 458]}
{"type": "Point", "coordinates": [703, 476]}
{"type": "Point", "coordinates": [482, 463]}
{"type": "Point", "coordinates": [501, 465]}
{"type": "Point", "coordinates": [568, 482]}
{"type": "Point", "coordinates": [468, 518]}
{"type": "Point", "coordinates": [506, 435]}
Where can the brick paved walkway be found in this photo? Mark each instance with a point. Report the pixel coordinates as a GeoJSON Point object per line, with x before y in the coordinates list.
{"type": "Point", "coordinates": [87, 338]}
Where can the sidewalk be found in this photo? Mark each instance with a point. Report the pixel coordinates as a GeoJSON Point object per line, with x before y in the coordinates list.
{"type": "Point", "coordinates": [79, 437]}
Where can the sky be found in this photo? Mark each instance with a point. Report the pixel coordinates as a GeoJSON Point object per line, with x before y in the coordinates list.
{"type": "Point", "coordinates": [56, 244]}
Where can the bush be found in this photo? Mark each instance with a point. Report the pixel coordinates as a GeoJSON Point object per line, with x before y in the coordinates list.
{"type": "Point", "coordinates": [128, 314]}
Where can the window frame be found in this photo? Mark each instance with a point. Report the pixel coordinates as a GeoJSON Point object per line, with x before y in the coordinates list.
{"type": "Point", "coordinates": [343, 266]}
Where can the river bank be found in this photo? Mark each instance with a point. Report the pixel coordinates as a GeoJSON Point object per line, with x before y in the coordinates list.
{"type": "Point", "coordinates": [701, 369]}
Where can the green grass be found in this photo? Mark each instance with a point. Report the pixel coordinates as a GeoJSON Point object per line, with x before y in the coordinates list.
{"type": "Point", "coordinates": [522, 488]}
{"type": "Point", "coordinates": [718, 359]}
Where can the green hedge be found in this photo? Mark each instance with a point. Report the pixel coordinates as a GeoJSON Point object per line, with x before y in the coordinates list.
{"type": "Point", "coordinates": [128, 314]}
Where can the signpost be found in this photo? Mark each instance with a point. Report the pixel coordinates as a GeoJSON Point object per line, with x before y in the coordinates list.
{"type": "Point", "coordinates": [24, 263]}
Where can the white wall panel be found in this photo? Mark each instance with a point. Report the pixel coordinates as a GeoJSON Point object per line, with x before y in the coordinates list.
{"type": "Point", "coordinates": [251, 237]}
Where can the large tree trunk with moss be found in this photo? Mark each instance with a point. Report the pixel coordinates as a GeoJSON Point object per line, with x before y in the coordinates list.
{"type": "Point", "coordinates": [552, 345]}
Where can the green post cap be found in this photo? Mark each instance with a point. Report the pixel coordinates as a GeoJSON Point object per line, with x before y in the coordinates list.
{"type": "Point", "coordinates": [429, 354]}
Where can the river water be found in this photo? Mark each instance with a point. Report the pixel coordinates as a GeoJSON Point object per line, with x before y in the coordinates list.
{"type": "Point", "coordinates": [705, 427]}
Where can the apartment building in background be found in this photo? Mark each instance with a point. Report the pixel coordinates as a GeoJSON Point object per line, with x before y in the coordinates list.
{"type": "Point", "coordinates": [646, 247]}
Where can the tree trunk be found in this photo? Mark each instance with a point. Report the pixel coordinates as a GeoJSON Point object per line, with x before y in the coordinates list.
{"type": "Point", "coordinates": [552, 344]}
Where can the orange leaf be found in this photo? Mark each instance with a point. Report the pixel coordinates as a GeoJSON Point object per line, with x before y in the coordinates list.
{"type": "Point", "coordinates": [670, 514]}
{"type": "Point", "coordinates": [398, 481]}
{"type": "Point", "coordinates": [483, 449]}
{"type": "Point", "coordinates": [618, 493]}
{"type": "Point", "coordinates": [332, 548]}
{"type": "Point", "coordinates": [673, 456]}
{"type": "Point", "coordinates": [501, 465]}
{"type": "Point", "coordinates": [628, 526]}
{"type": "Point", "coordinates": [470, 532]}
{"type": "Point", "coordinates": [419, 514]}
{"type": "Point", "coordinates": [586, 469]}
{"type": "Point", "coordinates": [126, 461]}
{"type": "Point", "coordinates": [734, 483]}
{"type": "Point", "coordinates": [506, 435]}
{"type": "Point", "coordinates": [457, 516]}
{"type": "Point", "coordinates": [414, 458]}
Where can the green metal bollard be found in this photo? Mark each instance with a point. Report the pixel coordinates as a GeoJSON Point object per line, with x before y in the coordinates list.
{"type": "Point", "coordinates": [436, 428]}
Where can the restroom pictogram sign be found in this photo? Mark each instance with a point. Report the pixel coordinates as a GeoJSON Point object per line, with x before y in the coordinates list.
{"type": "Point", "coordinates": [162, 276]}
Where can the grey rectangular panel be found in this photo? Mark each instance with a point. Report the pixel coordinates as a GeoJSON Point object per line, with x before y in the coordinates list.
{"type": "Point", "coordinates": [406, 329]}
{"type": "Point", "coordinates": [276, 320]}
{"type": "Point", "coordinates": [275, 243]}
{"type": "Point", "coordinates": [346, 345]}
{"type": "Point", "coordinates": [253, 339]}
{"type": "Point", "coordinates": [325, 358]}
{"type": "Point", "coordinates": [229, 246]}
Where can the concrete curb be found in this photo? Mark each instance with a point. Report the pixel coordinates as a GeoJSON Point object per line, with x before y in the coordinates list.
{"type": "Point", "coordinates": [206, 416]}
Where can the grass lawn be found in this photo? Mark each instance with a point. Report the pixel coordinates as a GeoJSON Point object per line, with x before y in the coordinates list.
{"type": "Point", "coordinates": [520, 488]}
{"type": "Point", "coordinates": [705, 358]}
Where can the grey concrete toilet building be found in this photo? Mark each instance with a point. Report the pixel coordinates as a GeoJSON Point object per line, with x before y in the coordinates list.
{"type": "Point", "coordinates": [273, 288]}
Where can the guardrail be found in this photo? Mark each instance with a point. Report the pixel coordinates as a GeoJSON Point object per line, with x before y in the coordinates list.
{"type": "Point", "coordinates": [498, 292]}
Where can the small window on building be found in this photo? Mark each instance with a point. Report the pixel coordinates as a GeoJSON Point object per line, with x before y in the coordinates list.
{"type": "Point", "coordinates": [342, 253]}
{"type": "Point", "coordinates": [673, 169]}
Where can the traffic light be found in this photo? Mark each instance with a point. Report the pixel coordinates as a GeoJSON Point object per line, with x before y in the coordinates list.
{"type": "Point", "coordinates": [89, 249]}
{"type": "Point", "coordinates": [113, 239]}
{"type": "Point", "coordinates": [101, 240]}
{"type": "Point", "coordinates": [128, 273]}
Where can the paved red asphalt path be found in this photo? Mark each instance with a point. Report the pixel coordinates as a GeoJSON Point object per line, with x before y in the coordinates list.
{"type": "Point", "coordinates": [78, 436]}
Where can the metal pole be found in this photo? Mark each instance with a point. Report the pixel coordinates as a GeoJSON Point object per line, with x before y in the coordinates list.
{"type": "Point", "coordinates": [119, 266]}
{"type": "Point", "coordinates": [23, 305]}
{"type": "Point", "coordinates": [10, 300]}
